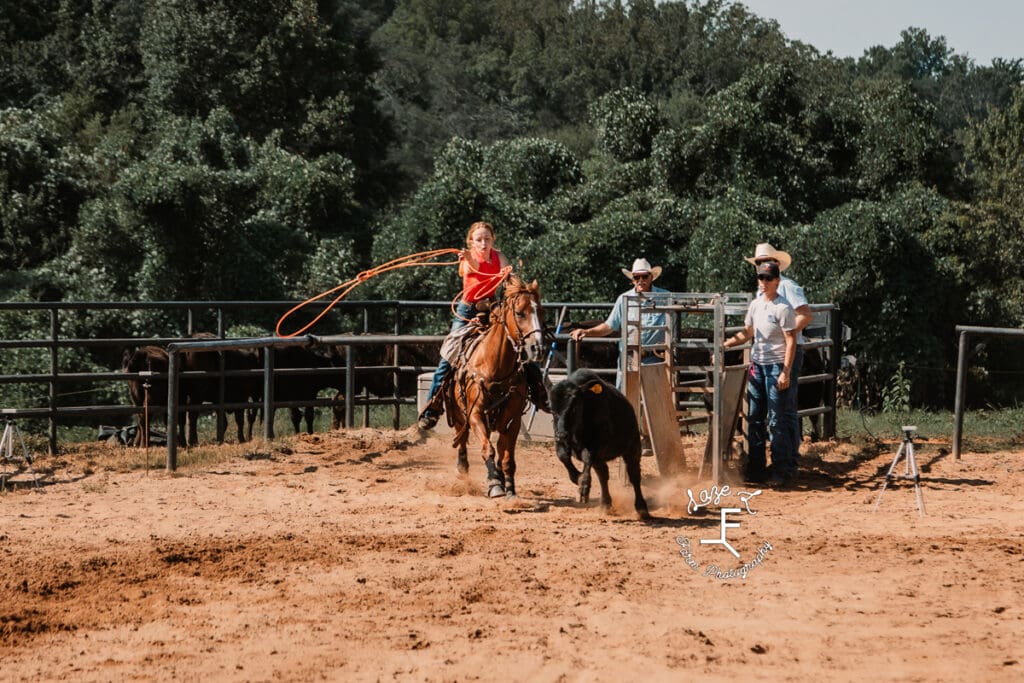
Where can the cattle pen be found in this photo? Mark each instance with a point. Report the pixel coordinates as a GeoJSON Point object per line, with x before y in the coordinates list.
{"type": "Point", "coordinates": [45, 363]}
{"type": "Point", "coordinates": [50, 363]}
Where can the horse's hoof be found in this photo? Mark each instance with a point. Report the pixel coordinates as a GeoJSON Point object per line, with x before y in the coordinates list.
{"type": "Point", "coordinates": [511, 495]}
{"type": "Point", "coordinates": [643, 514]}
{"type": "Point", "coordinates": [463, 467]}
{"type": "Point", "coordinates": [495, 491]}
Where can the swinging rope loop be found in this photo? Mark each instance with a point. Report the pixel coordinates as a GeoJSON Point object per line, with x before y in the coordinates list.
{"type": "Point", "coordinates": [423, 258]}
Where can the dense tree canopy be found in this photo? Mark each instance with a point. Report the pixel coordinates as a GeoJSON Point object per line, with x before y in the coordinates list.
{"type": "Point", "coordinates": [172, 149]}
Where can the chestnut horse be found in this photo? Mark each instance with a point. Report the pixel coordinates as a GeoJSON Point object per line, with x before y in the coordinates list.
{"type": "Point", "coordinates": [488, 392]}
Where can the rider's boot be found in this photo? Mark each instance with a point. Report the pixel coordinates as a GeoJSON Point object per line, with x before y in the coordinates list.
{"type": "Point", "coordinates": [537, 386]}
{"type": "Point", "coordinates": [434, 409]}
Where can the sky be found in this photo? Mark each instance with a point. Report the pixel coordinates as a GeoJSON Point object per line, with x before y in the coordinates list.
{"type": "Point", "coordinates": [981, 29]}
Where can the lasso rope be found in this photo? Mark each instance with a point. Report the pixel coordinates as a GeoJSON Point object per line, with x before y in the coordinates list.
{"type": "Point", "coordinates": [423, 258]}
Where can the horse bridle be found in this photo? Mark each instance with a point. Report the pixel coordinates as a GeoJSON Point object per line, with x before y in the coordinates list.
{"type": "Point", "coordinates": [520, 343]}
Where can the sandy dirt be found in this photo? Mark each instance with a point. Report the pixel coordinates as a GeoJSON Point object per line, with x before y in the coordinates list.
{"type": "Point", "coordinates": [363, 555]}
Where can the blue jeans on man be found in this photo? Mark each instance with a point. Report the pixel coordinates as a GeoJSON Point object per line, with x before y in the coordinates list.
{"type": "Point", "coordinates": [768, 415]}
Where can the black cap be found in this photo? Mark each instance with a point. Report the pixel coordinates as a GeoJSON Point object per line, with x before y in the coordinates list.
{"type": "Point", "coordinates": [769, 268]}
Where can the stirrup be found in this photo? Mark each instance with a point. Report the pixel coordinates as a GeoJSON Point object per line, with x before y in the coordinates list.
{"type": "Point", "coordinates": [428, 419]}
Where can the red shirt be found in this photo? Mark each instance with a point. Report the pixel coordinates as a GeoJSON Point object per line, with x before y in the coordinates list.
{"type": "Point", "coordinates": [480, 283]}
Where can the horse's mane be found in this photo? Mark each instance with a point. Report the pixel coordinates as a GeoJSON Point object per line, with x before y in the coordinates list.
{"type": "Point", "coordinates": [515, 286]}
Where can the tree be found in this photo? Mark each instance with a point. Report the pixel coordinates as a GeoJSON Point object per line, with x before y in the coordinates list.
{"type": "Point", "coordinates": [992, 228]}
{"type": "Point", "coordinates": [875, 259]}
{"type": "Point", "coordinates": [298, 67]}
{"type": "Point", "coordinates": [626, 124]}
{"type": "Point", "coordinates": [753, 140]}
{"type": "Point", "coordinates": [209, 214]}
{"type": "Point", "coordinates": [39, 191]}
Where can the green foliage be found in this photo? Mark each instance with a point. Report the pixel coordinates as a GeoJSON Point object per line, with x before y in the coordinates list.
{"type": "Point", "coordinates": [531, 169]}
{"type": "Point", "coordinates": [582, 262]}
{"type": "Point", "coordinates": [896, 393]}
{"type": "Point", "coordinates": [729, 226]}
{"type": "Point", "coordinates": [626, 124]}
{"type": "Point", "coordinates": [186, 149]}
{"type": "Point", "coordinates": [898, 140]}
{"type": "Point", "coordinates": [252, 212]}
{"type": "Point", "coordinates": [39, 191]}
{"type": "Point", "coordinates": [873, 259]}
{"type": "Point", "coordinates": [992, 229]}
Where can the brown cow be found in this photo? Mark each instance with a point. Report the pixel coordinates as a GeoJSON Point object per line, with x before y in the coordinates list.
{"type": "Point", "coordinates": [194, 391]}
{"type": "Point", "coordinates": [153, 397]}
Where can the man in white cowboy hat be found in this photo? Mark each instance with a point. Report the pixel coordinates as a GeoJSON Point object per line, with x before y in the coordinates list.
{"type": "Point", "coordinates": [643, 275]}
{"type": "Point", "coordinates": [770, 326]}
{"type": "Point", "coordinates": [794, 294]}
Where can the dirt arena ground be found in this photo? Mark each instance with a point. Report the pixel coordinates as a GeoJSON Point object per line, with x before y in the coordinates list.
{"type": "Point", "coordinates": [364, 556]}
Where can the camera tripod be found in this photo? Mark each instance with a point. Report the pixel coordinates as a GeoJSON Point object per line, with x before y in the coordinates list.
{"type": "Point", "coordinates": [906, 450]}
{"type": "Point", "coordinates": [7, 451]}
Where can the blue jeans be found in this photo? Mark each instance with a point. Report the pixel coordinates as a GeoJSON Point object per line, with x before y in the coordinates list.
{"type": "Point", "coordinates": [768, 414]}
{"type": "Point", "coordinates": [793, 404]}
{"type": "Point", "coordinates": [462, 310]}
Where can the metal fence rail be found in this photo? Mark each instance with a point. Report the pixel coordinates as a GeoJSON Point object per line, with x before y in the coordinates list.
{"type": "Point", "coordinates": [53, 378]}
{"type": "Point", "coordinates": [965, 332]}
{"type": "Point", "coordinates": [220, 311]}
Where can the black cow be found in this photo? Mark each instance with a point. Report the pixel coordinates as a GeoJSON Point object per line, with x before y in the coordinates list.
{"type": "Point", "coordinates": [421, 357]}
{"type": "Point", "coordinates": [596, 423]}
{"type": "Point", "coordinates": [304, 387]}
{"type": "Point", "coordinates": [194, 391]}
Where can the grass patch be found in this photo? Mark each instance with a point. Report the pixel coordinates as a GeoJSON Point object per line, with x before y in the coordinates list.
{"type": "Point", "coordinates": [989, 429]}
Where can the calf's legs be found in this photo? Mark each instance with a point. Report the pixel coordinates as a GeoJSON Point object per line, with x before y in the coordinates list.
{"type": "Point", "coordinates": [633, 472]}
{"type": "Point", "coordinates": [565, 457]}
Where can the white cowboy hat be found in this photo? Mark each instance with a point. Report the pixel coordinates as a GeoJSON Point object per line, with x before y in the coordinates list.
{"type": "Point", "coordinates": [642, 265]}
{"type": "Point", "coordinates": [766, 251]}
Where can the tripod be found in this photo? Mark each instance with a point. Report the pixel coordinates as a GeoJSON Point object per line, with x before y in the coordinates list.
{"type": "Point", "coordinates": [906, 450]}
{"type": "Point", "coordinates": [7, 451]}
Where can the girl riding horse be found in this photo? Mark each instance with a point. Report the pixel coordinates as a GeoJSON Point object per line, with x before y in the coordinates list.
{"type": "Point", "coordinates": [490, 391]}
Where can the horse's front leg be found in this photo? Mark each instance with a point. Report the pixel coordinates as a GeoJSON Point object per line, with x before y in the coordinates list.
{"type": "Point", "coordinates": [495, 480]}
{"type": "Point", "coordinates": [461, 439]}
{"type": "Point", "coordinates": [507, 456]}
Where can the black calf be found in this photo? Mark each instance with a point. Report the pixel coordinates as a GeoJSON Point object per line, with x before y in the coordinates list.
{"type": "Point", "coordinates": [596, 423]}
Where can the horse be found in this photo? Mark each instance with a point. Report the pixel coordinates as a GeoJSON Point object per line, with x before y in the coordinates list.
{"type": "Point", "coordinates": [488, 392]}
